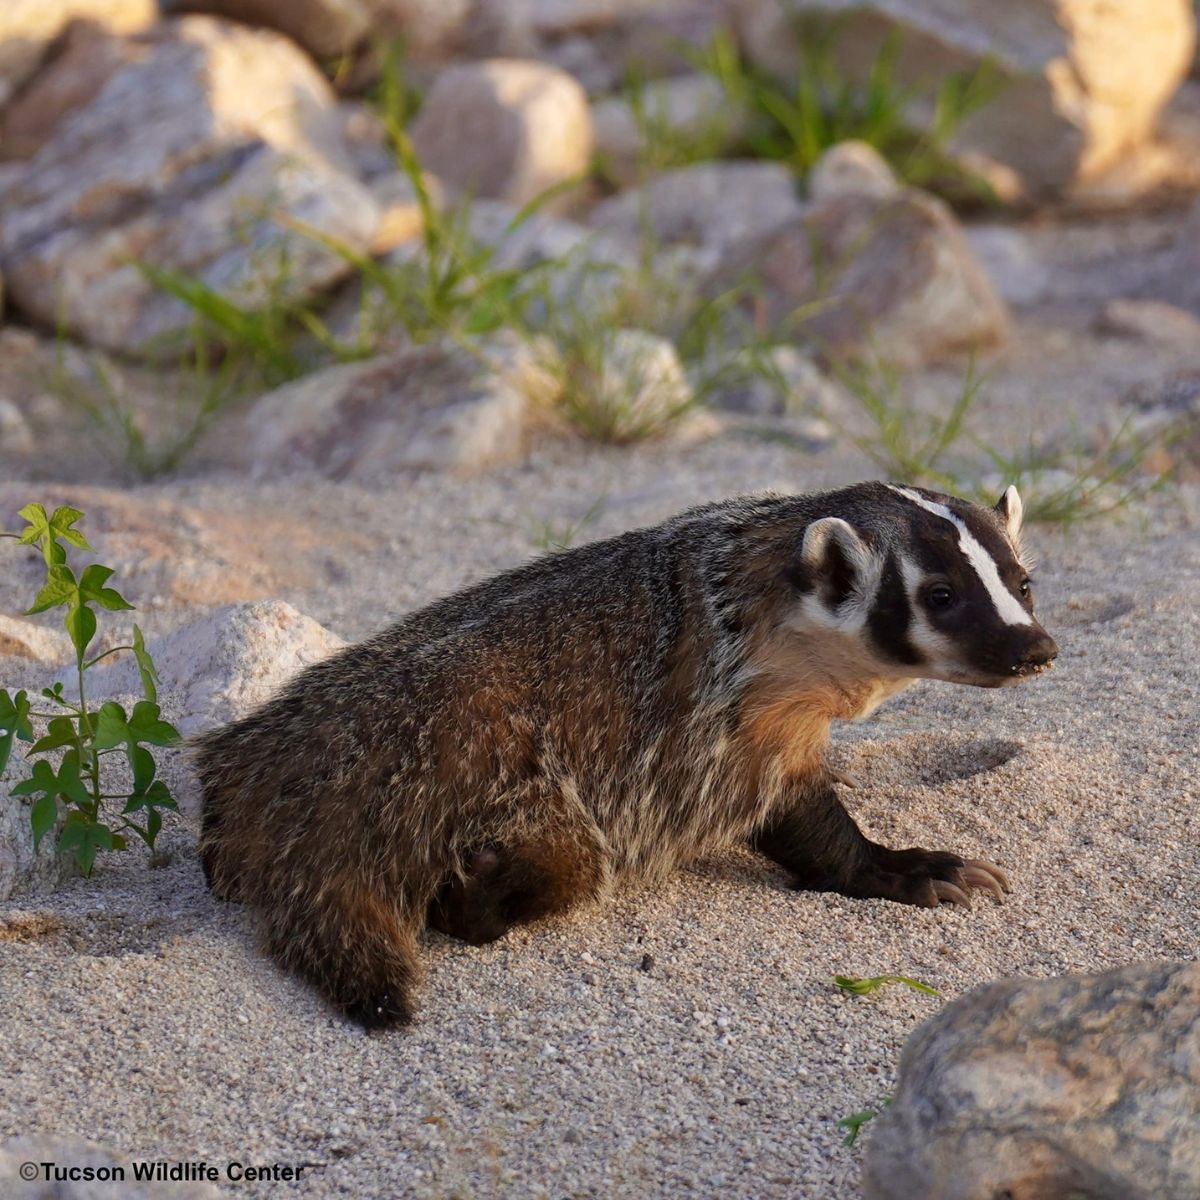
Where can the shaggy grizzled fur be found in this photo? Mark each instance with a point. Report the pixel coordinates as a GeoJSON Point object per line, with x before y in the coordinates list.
{"type": "Point", "coordinates": [610, 711]}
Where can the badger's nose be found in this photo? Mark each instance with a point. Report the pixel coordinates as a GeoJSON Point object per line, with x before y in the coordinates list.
{"type": "Point", "coordinates": [1040, 652]}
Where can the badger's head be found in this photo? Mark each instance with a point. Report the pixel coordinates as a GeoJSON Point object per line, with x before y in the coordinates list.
{"type": "Point", "coordinates": [926, 586]}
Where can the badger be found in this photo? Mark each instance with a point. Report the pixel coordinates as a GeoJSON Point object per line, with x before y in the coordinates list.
{"type": "Point", "coordinates": [608, 713]}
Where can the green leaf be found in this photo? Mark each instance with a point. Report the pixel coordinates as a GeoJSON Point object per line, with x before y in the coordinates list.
{"type": "Point", "coordinates": [146, 668]}
{"type": "Point", "coordinates": [14, 723]}
{"type": "Point", "coordinates": [61, 587]}
{"type": "Point", "coordinates": [85, 837]}
{"type": "Point", "coordinates": [43, 779]}
{"type": "Point", "coordinates": [864, 987]}
{"type": "Point", "coordinates": [67, 782]}
{"type": "Point", "coordinates": [92, 589]}
{"type": "Point", "coordinates": [157, 795]}
{"type": "Point", "coordinates": [853, 1124]}
{"type": "Point", "coordinates": [60, 732]}
{"type": "Point", "coordinates": [45, 531]}
{"type": "Point", "coordinates": [81, 625]}
{"type": "Point", "coordinates": [42, 815]}
{"type": "Point", "coordinates": [112, 726]}
{"type": "Point", "coordinates": [146, 725]}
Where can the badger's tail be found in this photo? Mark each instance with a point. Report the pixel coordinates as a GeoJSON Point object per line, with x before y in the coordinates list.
{"type": "Point", "coordinates": [355, 946]}
{"type": "Point", "coordinates": [334, 924]}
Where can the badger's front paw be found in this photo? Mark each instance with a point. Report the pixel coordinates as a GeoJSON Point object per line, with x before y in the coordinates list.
{"type": "Point", "coordinates": [927, 877]}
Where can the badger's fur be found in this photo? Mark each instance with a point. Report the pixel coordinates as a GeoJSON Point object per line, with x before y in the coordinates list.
{"type": "Point", "coordinates": [608, 712]}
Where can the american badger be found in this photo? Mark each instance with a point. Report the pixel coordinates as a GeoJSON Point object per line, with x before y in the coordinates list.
{"type": "Point", "coordinates": [605, 713]}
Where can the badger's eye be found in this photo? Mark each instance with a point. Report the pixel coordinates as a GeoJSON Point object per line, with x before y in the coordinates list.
{"type": "Point", "coordinates": [1024, 587]}
{"type": "Point", "coordinates": [940, 595]}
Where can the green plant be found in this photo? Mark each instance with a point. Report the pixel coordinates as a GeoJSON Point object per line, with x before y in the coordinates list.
{"type": "Point", "coordinates": [853, 986]}
{"type": "Point", "coordinates": [853, 1123]}
{"type": "Point", "coordinates": [907, 442]}
{"type": "Point", "coordinates": [827, 105]}
{"type": "Point", "coordinates": [553, 536]}
{"type": "Point", "coordinates": [912, 444]}
{"type": "Point", "coordinates": [80, 738]}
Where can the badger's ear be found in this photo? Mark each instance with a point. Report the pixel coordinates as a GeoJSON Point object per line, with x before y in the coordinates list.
{"type": "Point", "coordinates": [834, 553]}
{"type": "Point", "coordinates": [1011, 511]}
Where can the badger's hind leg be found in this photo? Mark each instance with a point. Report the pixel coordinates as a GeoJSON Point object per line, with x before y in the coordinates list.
{"type": "Point", "coordinates": [354, 945]}
{"type": "Point", "coordinates": [524, 876]}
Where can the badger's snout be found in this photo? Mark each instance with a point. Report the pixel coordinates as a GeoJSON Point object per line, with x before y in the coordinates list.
{"type": "Point", "coordinates": [1038, 652]}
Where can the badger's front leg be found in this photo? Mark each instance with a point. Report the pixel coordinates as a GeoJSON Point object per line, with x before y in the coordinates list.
{"type": "Point", "coordinates": [816, 839]}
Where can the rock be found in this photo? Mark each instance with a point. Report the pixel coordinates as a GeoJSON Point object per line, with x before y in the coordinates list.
{"type": "Point", "coordinates": [245, 140]}
{"type": "Point", "coordinates": [223, 666]}
{"type": "Point", "coordinates": [1087, 1085]}
{"type": "Point", "coordinates": [1167, 410]}
{"type": "Point", "coordinates": [330, 28]}
{"type": "Point", "coordinates": [75, 1152]}
{"type": "Point", "coordinates": [782, 381]}
{"type": "Point", "coordinates": [633, 388]}
{"type": "Point", "coordinates": [1083, 82]}
{"type": "Point", "coordinates": [504, 128]}
{"type": "Point", "coordinates": [692, 107]}
{"type": "Point", "coordinates": [1150, 321]}
{"type": "Point", "coordinates": [24, 639]}
{"type": "Point", "coordinates": [894, 277]}
{"type": "Point", "coordinates": [851, 169]}
{"type": "Point", "coordinates": [601, 42]}
{"type": "Point", "coordinates": [16, 437]}
{"type": "Point", "coordinates": [168, 553]}
{"type": "Point", "coordinates": [23, 869]}
{"type": "Point", "coordinates": [709, 205]}
{"type": "Point", "coordinates": [28, 27]}
{"type": "Point", "coordinates": [429, 407]}
{"type": "Point", "coordinates": [1011, 262]}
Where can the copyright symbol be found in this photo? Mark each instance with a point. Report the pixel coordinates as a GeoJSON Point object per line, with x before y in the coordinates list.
{"type": "Point", "coordinates": [28, 1172]}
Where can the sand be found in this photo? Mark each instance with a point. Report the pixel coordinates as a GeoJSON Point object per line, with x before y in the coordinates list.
{"type": "Point", "coordinates": [682, 1041]}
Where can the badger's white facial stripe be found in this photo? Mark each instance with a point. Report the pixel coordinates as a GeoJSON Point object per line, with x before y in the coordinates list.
{"type": "Point", "coordinates": [937, 649]}
{"type": "Point", "coordinates": [1006, 604]}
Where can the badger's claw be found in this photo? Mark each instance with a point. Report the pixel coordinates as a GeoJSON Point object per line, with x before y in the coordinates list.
{"type": "Point", "coordinates": [980, 874]}
{"type": "Point", "coordinates": [946, 891]}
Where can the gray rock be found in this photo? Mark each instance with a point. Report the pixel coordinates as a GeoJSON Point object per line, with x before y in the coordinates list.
{"type": "Point", "coordinates": [634, 387]}
{"type": "Point", "coordinates": [709, 205]}
{"type": "Point", "coordinates": [505, 129]}
{"type": "Point", "coordinates": [1151, 321]}
{"type": "Point", "coordinates": [1084, 83]}
{"type": "Point", "coordinates": [24, 639]}
{"type": "Point", "coordinates": [1084, 1086]}
{"type": "Point", "coordinates": [429, 407]}
{"type": "Point", "coordinates": [224, 665]}
{"type": "Point", "coordinates": [28, 27]}
{"type": "Point", "coordinates": [24, 870]}
{"type": "Point", "coordinates": [891, 276]}
{"type": "Point", "coordinates": [16, 436]}
{"type": "Point", "coordinates": [329, 28]}
{"type": "Point", "coordinates": [851, 169]}
{"type": "Point", "coordinates": [1011, 262]}
{"type": "Point", "coordinates": [243, 152]}
{"type": "Point", "coordinates": [782, 381]}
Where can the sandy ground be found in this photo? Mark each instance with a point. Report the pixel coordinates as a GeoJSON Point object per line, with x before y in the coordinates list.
{"type": "Point", "coordinates": [685, 1041]}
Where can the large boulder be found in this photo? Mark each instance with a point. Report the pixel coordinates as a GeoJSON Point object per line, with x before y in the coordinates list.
{"type": "Point", "coordinates": [242, 154]}
{"type": "Point", "coordinates": [1084, 1086]}
{"type": "Point", "coordinates": [1083, 81]}
{"type": "Point", "coordinates": [28, 27]}
{"type": "Point", "coordinates": [432, 407]}
{"type": "Point", "coordinates": [888, 275]}
{"type": "Point", "coordinates": [224, 665]}
{"type": "Point", "coordinates": [506, 129]}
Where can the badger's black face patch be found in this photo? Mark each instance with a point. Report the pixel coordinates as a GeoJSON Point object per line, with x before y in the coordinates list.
{"type": "Point", "coordinates": [970, 604]}
{"type": "Point", "coordinates": [890, 619]}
